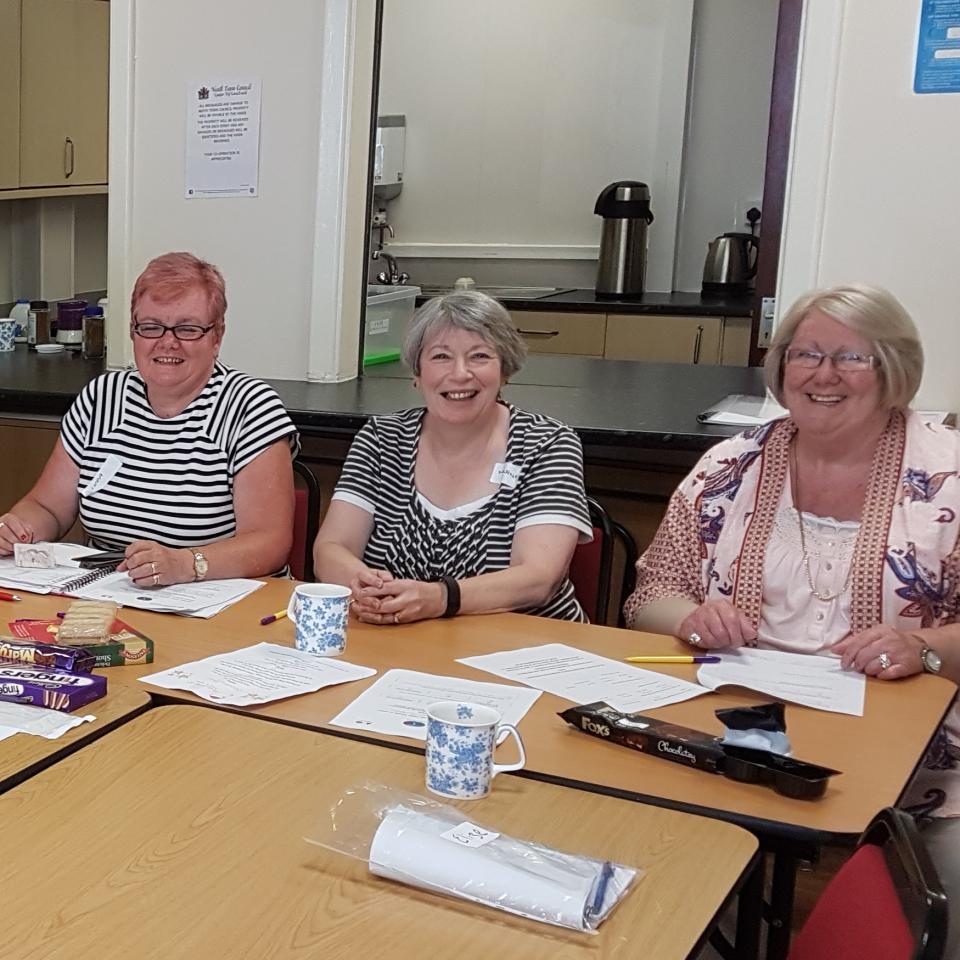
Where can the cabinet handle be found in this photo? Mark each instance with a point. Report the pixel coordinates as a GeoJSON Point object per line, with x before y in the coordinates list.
{"type": "Point", "coordinates": [68, 166]}
{"type": "Point", "coordinates": [696, 344]}
{"type": "Point", "coordinates": [545, 334]}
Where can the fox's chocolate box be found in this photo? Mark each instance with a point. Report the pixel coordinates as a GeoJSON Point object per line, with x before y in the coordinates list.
{"type": "Point", "coordinates": [692, 748]}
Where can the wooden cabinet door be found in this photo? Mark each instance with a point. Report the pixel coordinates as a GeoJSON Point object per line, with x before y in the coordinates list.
{"type": "Point", "coordinates": [9, 94]}
{"type": "Point", "coordinates": [735, 351]}
{"type": "Point", "coordinates": [581, 334]}
{"type": "Point", "coordinates": [64, 57]}
{"type": "Point", "coordinates": [663, 339]}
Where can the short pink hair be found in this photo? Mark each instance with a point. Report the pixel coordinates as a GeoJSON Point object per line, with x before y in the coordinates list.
{"type": "Point", "coordinates": [172, 275]}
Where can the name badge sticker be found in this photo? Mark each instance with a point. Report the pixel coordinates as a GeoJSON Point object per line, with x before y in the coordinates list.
{"type": "Point", "coordinates": [506, 474]}
{"type": "Point", "coordinates": [108, 470]}
{"type": "Point", "coordinates": [469, 835]}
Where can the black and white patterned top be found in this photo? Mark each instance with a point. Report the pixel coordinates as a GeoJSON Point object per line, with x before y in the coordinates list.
{"type": "Point", "coordinates": [174, 479]}
{"type": "Point", "coordinates": [414, 540]}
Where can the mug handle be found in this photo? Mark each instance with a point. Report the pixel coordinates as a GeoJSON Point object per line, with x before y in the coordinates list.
{"type": "Point", "coordinates": [505, 767]}
{"type": "Point", "coordinates": [292, 608]}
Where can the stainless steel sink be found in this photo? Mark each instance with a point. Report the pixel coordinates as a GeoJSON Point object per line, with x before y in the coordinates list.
{"type": "Point", "coordinates": [501, 293]}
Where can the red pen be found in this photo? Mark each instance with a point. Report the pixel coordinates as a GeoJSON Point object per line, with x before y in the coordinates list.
{"type": "Point", "coordinates": [8, 596]}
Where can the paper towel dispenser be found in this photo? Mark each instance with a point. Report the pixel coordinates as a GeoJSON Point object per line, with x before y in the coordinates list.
{"type": "Point", "coordinates": [388, 156]}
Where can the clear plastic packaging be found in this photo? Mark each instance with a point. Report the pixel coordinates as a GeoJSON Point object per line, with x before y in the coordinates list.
{"type": "Point", "coordinates": [87, 622]}
{"type": "Point", "coordinates": [418, 841]}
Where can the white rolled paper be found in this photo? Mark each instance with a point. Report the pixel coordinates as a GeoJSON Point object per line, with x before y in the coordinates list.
{"type": "Point", "coordinates": [512, 875]}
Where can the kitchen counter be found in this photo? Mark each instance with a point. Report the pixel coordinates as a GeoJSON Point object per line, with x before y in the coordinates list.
{"type": "Point", "coordinates": [667, 304]}
{"type": "Point", "coordinates": [618, 403]}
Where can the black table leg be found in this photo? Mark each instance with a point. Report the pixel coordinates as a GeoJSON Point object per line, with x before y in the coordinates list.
{"type": "Point", "coordinates": [782, 888]}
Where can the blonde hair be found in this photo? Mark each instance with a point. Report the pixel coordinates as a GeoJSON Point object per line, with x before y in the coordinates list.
{"type": "Point", "coordinates": [873, 313]}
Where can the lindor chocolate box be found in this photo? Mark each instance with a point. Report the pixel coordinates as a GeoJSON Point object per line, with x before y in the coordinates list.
{"type": "Point", "coordinates": [32, 653]}
{"type": "Point", "coordinates": [692, 748]}
{"type": "Point", "coordinates": [53, 689]}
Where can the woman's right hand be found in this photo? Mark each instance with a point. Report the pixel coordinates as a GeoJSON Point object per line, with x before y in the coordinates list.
{"type": "Point", "coordinates": [13, 530]}
{"type": "Point", "coordinates": [715, 624]}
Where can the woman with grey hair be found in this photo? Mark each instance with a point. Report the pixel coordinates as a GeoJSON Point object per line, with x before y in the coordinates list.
{"type": "Point", "coordinates": [464, 505]}
{"type": "Point", "coordinates": [832, 531]}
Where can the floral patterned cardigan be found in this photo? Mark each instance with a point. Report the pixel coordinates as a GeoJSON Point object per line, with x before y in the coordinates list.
{"type": "Point", "coordinates": [906, 562]}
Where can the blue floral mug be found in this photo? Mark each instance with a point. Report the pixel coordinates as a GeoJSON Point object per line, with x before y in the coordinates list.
{"type": "Point", "coordinates": [8, 332]}
{"type": "Point", "coordinates": [461, 739]}
{"type": "Point", "coordinates": [320, 612]}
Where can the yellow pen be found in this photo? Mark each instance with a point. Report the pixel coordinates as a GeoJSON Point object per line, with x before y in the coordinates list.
{"type": "Point", "coordinates": [680, 659]}
{"type": "Point", "coordinates": [273, 616]}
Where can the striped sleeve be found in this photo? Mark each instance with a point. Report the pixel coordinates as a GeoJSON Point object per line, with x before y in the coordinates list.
{"type": "Point", "coordinates": [553, 491]}
{"type": "Point", "coordinates": [257, 420]}
{"type": "Point", "coordinates": [360, 479]}
{"type": "Point", "coordinates": [76, 423]}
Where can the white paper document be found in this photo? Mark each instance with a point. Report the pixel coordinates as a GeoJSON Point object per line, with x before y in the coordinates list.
{"type": "Point", "coordinates": [44, 579]}
{"type": "Point", "coordinates": [258, 674]}
{"type": "Point", "coordinates": [39, 721]}
{"type": "Point", "coordinates": [743, 410]}
{"type": "Point", "coordinates": [397, 703]}
{"type": "Point", "coordinates": [813, 681]}
{"type": "Point", "coordinates": [585, 677]}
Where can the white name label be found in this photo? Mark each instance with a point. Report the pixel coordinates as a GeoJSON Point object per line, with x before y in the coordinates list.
{"type": "Point", "coordinates": [469, 835]}
{"type": "Point", "coordinates": [104, 475]}
{"type": "Point", "coordinates": [506, 474]}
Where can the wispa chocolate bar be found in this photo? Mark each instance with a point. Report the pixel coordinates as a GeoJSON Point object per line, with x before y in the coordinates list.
{"type": "Point", "coordinates": [50, 688]}
{"type": "Point", "coordinates": [30, 653]}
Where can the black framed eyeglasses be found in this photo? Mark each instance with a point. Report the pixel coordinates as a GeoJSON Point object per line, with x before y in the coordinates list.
{"type": "Point", "coordinates": [152, 330]}
{"type": "Point", "coordinates": [846, 362]}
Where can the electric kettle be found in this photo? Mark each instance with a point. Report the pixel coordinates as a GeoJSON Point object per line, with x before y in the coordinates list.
{"type": "Point", "coordinates": [731, 263]}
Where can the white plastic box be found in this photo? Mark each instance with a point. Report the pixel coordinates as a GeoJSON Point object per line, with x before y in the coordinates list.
{"type": "Point", "coordinates": [389, 312]}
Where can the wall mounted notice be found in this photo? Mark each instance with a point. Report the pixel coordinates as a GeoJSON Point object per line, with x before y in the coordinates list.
{"type": "Point", "coordinates": [938, 48]}
{"type": "Point", "coordinates": [223, 139]}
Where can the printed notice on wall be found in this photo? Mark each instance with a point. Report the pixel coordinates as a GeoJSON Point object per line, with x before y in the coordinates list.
{"type": "Point", "coordinates": [938, 48]}
{"type": "Point", "coordinates": [223, 139]}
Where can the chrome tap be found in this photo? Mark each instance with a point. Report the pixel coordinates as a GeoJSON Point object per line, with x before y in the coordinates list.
{"type": "Point", "coordinates": [391, 275]}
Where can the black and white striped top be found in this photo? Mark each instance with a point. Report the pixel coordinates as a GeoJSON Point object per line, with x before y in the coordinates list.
{"type": "Point", "coordinates": [415, 542]}
{"type": "Point", "coordinates": [174, 481]}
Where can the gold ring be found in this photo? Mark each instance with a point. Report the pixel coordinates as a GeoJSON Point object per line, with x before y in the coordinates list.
{"type": "Point", "coordinates": [396, 618]}
{"type": "Point", "coordinates": [153, 568]}
{"type": "Point", "coordinates": [156, 579]}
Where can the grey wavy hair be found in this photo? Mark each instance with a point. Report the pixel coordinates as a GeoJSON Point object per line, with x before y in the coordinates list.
{"type": "Point", "coordinates": [474, 312]}
{"type": "Point", "coordinates": [875, 314]}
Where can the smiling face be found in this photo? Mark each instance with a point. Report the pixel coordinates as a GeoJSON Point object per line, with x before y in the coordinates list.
{"type": "Point", "coordinates": [172, 368]}
{"type": "Point", "coordinates": [825, 400]}
{"type": "Point", "coordinates": [460, 375]}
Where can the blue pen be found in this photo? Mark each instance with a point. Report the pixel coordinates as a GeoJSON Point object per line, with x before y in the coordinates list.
{"type": "Point", "coordinates": [606, 873]}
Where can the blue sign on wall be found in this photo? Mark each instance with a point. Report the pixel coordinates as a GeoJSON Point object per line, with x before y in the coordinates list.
{"type": "Point", "coordinates": [938, 48]}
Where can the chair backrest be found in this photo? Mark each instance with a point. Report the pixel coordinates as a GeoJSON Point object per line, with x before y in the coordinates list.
{"type": "Point", "coordinates": [885, 903]}
{"type": "Point", "coordinates": [306, 521]}
{"type": "Point", "coordinates": [591, 564]}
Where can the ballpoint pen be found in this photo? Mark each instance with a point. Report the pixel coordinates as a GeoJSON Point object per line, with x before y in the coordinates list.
{"type": "Point", "coordinates": [680, 659]}
{"type": "Point", "coordinates": [8, 596]}
{"type": "Point", "coordinates": [273, 616]}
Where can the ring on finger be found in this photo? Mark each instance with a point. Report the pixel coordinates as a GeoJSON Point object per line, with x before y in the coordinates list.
{"type": "Point", "coordinates": [694, 639]}
{"type": "Point", "coordinates": [396, 618]}
{"type": "Point", "coordinates": [156, 579]}
{"type": "Point", "coordinates": [153, 568]}
{"type": "Point", "coordinates": [885, 662]}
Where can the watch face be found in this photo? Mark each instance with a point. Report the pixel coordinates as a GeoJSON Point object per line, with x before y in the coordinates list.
{"type": "Point", "coordinates": [931, 660]}
{"type": "Point", "coordinates": [200, 565]}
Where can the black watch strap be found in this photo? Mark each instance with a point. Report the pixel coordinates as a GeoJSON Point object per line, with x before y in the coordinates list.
{"type": "Point", "coordinates": [453, 596]}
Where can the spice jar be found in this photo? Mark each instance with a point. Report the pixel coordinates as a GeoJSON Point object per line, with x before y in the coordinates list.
{"type": "Point", "coordinates": [38, 323]}
{"type": "Point", "coordinates": [93, 334]}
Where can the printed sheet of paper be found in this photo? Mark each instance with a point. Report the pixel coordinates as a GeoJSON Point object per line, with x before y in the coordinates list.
{"type": "Point", "coordinates": [24, 718]}
{"type": "Point", "coordinates": [258, 674]}
{"type": "Point", "coordinates": [585, 677]}
{"type": "Point", "coordinates": [203, 599]}
{"type": "Point", "coordinates": [397, 703]}
{"type": "Point", "coordinates": [817, 682]}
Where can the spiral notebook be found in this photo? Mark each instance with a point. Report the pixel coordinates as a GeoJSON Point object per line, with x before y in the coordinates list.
{"type": "Point", "coordinates": [92, 576]}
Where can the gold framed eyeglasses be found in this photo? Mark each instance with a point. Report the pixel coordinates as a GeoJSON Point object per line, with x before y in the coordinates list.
{"type": "Point", "coordinates": [845, 362]}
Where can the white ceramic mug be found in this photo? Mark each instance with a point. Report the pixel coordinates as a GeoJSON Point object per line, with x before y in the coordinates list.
{"type": "Point", "coordinates": [8, 334]}
{"type": "Point", "coordinates": [461, 739]}
{"type": "Point", "coordinates": [320, 612]}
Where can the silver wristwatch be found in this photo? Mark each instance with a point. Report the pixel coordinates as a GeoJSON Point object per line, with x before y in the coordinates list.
{"type": "Point", "coordinates": [931, 660]}
{"type": "Point", "coordinates": [200, 565]}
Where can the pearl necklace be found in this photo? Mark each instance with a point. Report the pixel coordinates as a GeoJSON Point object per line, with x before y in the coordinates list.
{"type": "Point", "coordinates": [795, 484]}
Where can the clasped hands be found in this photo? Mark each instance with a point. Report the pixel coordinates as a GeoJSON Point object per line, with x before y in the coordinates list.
{"type": "Point", "coordinates": [881, 651]}
{"type": "Point", "coordinates": [381, 598]}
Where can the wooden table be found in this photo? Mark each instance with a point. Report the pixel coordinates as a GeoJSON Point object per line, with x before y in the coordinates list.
{"type": "Point", "coordinates": [877, 753]}
{"type": "Point", "coordinates": [180, 834]}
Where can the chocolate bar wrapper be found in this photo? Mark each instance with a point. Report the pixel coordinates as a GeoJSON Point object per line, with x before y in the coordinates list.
{"type": "Point", "coordinates": [53, 689]}
{"type": "Point", "coordinates": [692, 748]}
{"type": "Point", "coordinates": [124, 647]}
{"type": "Point", "coordinates": [30, 653]}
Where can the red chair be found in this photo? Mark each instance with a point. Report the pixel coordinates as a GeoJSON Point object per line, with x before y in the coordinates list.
{"type": "Point", "coordinates": [885, 903]}
{"type": "Point", "coordinates": [591, 568]}
{"type": "Point", "coordinates": [306, 521]}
